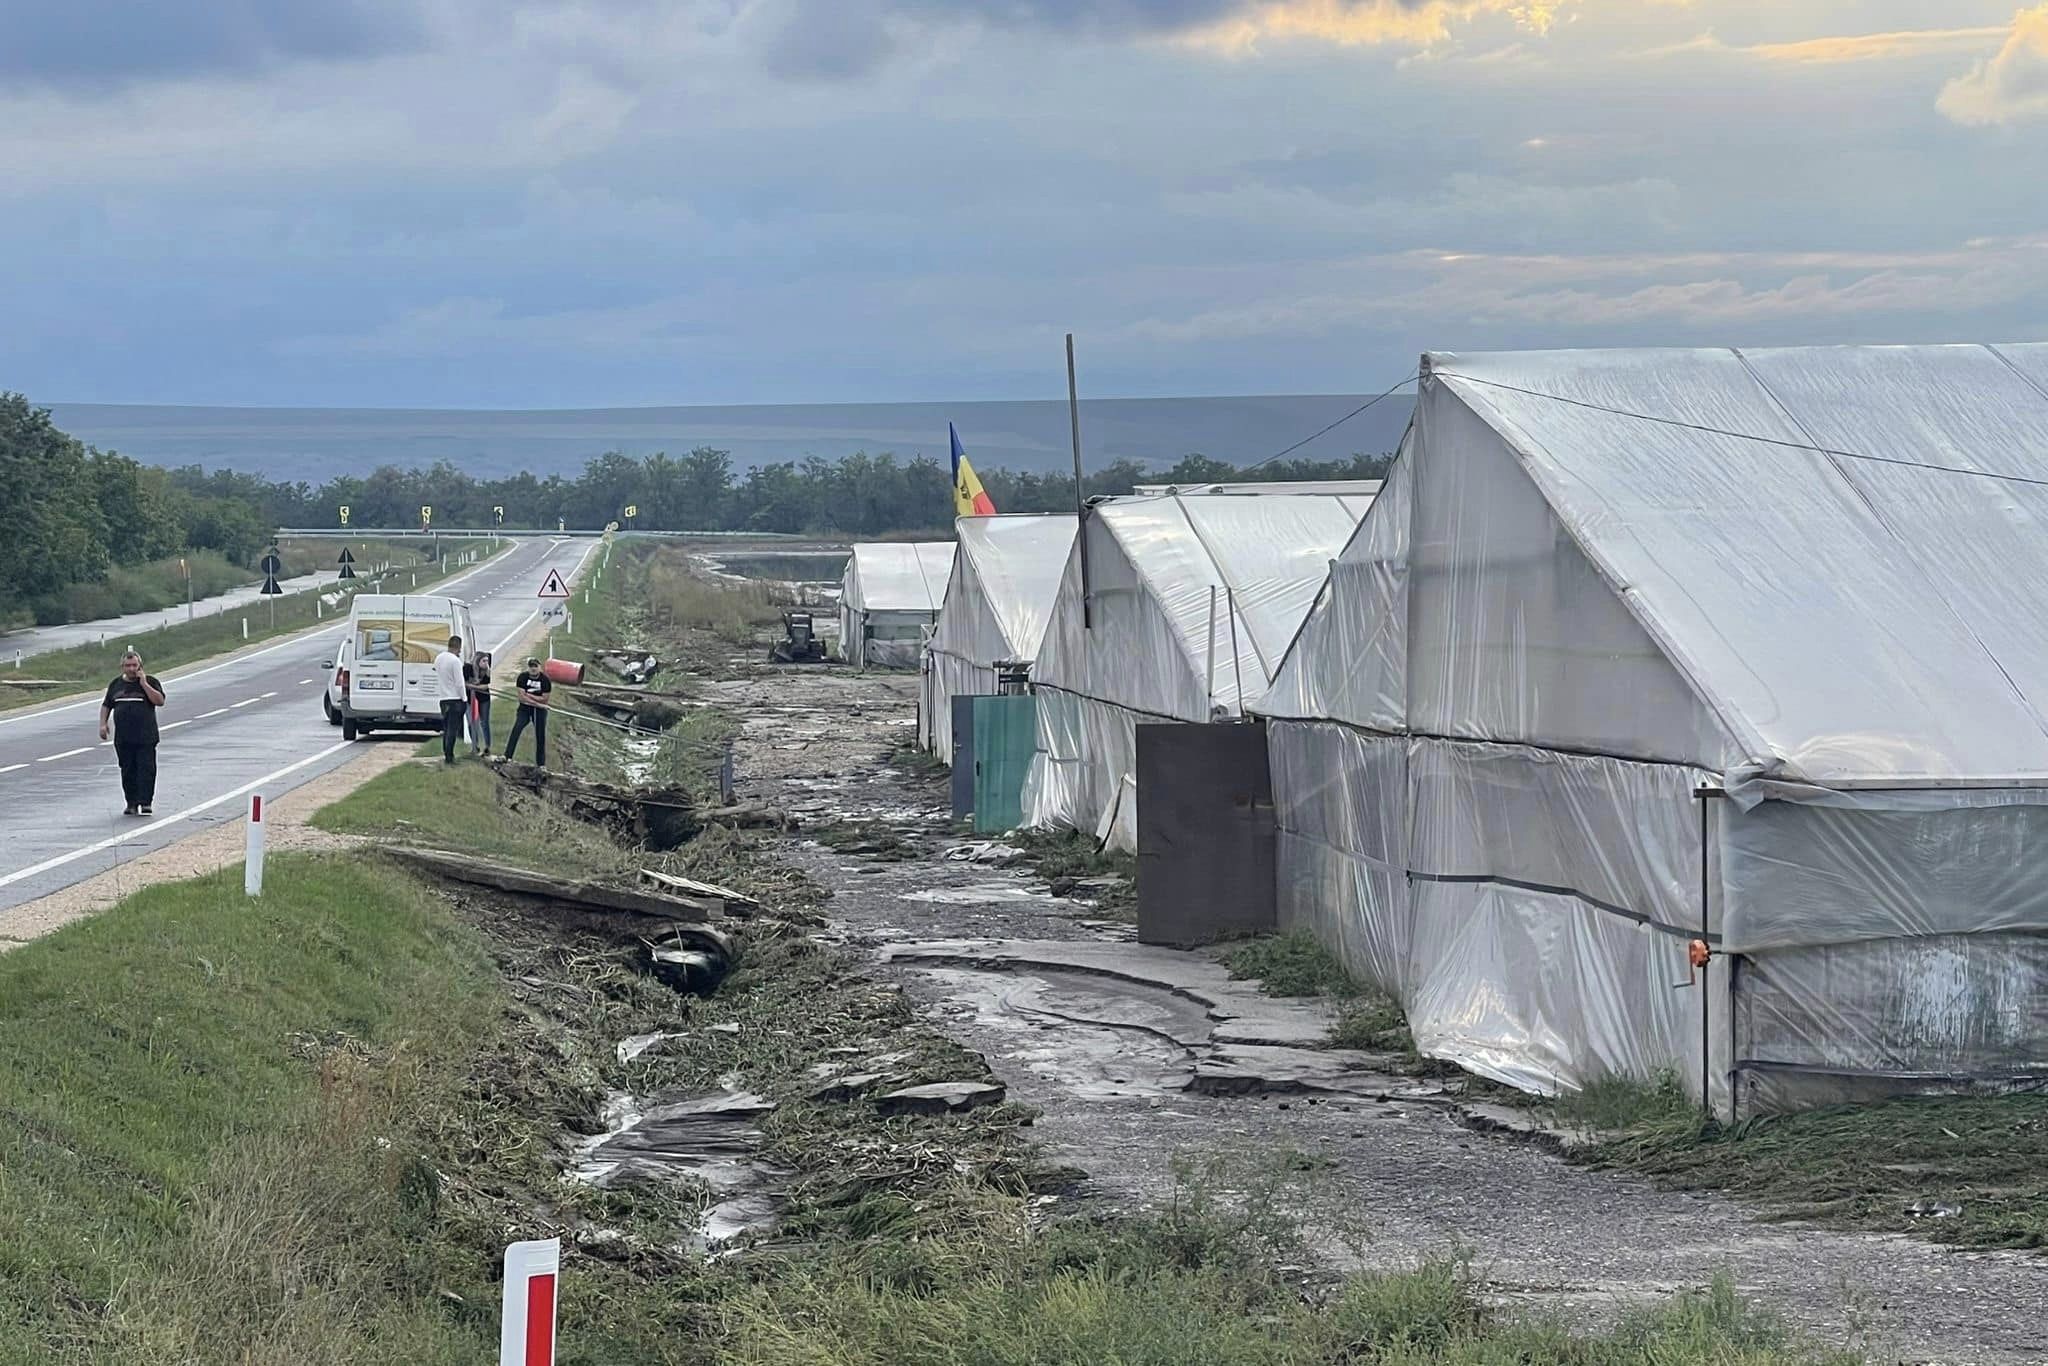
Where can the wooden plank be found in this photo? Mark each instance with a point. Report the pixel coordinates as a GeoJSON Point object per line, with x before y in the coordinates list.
{"type": "Point", "coordinates": [692, 887]}
{"type": "Point", "coordinates": [527, 882]}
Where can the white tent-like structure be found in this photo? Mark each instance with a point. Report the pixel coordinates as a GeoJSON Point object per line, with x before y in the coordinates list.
{"type": "Point", "coordinates": [1005, 576]}
{"type": "Point", "coordinates": [1639, 648]}
{"type": "Point", "coordinates": [1193, 601]}
{"type": "Point", "coordinates": [889, 601]}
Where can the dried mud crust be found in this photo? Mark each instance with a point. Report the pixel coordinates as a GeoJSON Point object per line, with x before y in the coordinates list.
{"type": "Point", "coordinates": [1580, 1242]}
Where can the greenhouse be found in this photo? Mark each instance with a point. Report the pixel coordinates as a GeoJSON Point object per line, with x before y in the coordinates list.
{"type": "Point", "coordinates": [1644, 658]}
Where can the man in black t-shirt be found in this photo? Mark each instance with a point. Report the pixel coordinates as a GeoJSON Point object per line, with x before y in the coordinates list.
{"type": "Point", "coordinates": [130, 706]}
{"type": "Point", "coordinates": [531, 688]}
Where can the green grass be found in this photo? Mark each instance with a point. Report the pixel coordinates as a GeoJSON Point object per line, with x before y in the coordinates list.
{"type": "Point", "coordinates": [1974, 1168]}
{"type": "Point", "coordinates": [1291, 964]}
{"type": "Point", "coordinates": [86, 668]}
{"type": "Point", "coordinates": [155, 1058]}
{"type": "Point", "coordinates": [1062, 855]}
{"type": "Point", "coordinates": [467, 808]}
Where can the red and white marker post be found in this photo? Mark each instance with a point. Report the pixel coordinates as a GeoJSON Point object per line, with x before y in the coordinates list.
{"type": "Point", "coordinates": [526, 1336]}
{"type": "Point", "coordinates": [252, 863]}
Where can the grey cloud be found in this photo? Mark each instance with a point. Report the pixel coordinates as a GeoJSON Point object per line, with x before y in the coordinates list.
{"type": "Point", "coordinates": [114, 42]}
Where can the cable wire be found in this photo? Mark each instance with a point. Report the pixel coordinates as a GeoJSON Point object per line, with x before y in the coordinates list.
{"type": "Point", "coordinates": [1389, 392]}
{"type": "Point", "coordinates": [1710, 429]}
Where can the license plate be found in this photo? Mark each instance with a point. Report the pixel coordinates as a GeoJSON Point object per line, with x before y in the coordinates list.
{"type": "Point", "coordinates": [376, 684]}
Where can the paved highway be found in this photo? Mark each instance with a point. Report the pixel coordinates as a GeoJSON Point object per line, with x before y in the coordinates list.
{"type": "Point", "coordinates": [248, 723]}
{"type": "Point", "coordinates": [34, 640]}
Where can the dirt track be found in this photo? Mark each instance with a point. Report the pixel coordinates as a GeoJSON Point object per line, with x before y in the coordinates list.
{"type": "Point", "coordinates": [1409, 1176]}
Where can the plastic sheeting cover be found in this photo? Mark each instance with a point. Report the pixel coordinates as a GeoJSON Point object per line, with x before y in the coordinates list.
{"type": "Point", "coordinates": [1853, 620]}
{"type": "Point", "coordinates": [892, 576]}
{"type": "Point", "coordinates": [1005, 577]}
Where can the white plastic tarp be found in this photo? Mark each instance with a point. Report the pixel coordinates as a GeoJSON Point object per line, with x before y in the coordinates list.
{"type": "Point", "coordinates": [889, 599]}
{"type": "Point", "coordinates": [1193, 602]}
{"type": "Point", "coordinates": [1005, 576]}
{"type": "Point", "coordinates": [1796, 575]}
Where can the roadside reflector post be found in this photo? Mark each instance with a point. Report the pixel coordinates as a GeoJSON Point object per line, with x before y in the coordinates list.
{"type": "Point", "coordinates": [526, 1334]}
{"type": "Point", "coordinates": [245, 628]}
{"type": "Point", "coordinates": [252, 865]}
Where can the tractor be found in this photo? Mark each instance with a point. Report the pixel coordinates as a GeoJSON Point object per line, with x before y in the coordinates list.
{"type": "Point", "coordinates": [799, 643]}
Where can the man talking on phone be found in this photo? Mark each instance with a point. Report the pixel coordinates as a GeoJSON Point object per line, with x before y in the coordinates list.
{"type": "Point", "coordinates": [130, 708]}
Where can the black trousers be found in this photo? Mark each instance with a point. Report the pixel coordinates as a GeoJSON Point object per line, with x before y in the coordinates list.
{"type": "Point", "coordinates": [451, 727]}
{"type": "Point", "coordinates": [539, 717]}
{"type": "Point", "coordinates": [138, 772]}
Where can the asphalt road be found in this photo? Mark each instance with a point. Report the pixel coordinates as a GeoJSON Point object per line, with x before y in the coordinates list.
{"type": "Point", "coordinates": [249, 723]}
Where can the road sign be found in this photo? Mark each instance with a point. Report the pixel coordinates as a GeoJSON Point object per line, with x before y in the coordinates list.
{"type": "Point", "coordinates": [270, 563]}
{"type": "Point", "coordinates": [347, 561]}
{"type": "Point", "coordinates": [632, 509]}
{"type": "Point", "coordinates": [498, 516]}
{"type": "Point", "coordinates": [344, 514]}
{"type": "Point", "coordinates": [555, 614]}
{"type": "Point", "coordinates": [552, 586]}
{"type": "Point", "coordinates": [426, 517]}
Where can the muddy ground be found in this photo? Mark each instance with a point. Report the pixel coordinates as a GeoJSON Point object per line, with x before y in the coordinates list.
{"type": "Point", "coordinates": [1109, 1063]}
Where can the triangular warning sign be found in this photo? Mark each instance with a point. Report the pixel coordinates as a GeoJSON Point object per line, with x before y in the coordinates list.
{"type": "Point", "coordinates": [552, 586]}
{"type": "Point", "coordinates": [347, 556]}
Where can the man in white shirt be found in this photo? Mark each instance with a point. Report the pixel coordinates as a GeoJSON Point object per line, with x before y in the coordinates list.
{"type": "Point", "coordinates": [451, 678]}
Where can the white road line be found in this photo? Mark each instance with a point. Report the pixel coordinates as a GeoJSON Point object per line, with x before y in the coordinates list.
{"type": "Point", "coordinates": [127, 835]}
{"type": "Point", "coordinates": [304, 681]}
{"type": "Point", "coordinates": [209, 715]}
{"type": "Point", "coordinates": [11, 767]}
{"type": "Point", "coordinates": [52, 758]}
{"type": "Point", "coordinates": [287, 643]}
{"type": "Point", "coordinates": [175, 724]}
{"type": "Point", "coordinates": [266, 697]}
{"type": "Point", "coordinates": [245, 702]}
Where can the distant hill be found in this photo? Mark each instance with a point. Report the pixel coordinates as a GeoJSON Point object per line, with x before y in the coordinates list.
{"type": "Point", "coordinates": [315, 443]}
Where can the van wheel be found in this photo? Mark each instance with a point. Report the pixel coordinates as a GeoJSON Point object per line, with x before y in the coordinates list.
{"type": "Point", "coordinates": [327, 705]}
{"type": "Point", "coordinates": [348, 728]}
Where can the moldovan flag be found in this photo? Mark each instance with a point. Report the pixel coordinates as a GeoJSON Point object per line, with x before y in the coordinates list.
{"type": "Point", "coordinates": [969, 498]}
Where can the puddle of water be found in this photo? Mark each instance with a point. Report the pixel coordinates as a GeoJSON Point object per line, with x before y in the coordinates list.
{"type": "Point", "coordinates": [1097, 1041]}
{"type": "Point", "coordinates": [980, 894]}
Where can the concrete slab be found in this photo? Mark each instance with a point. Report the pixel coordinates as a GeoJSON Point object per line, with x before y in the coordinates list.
{"type": "Point", "coordinates": [1238, 1012]}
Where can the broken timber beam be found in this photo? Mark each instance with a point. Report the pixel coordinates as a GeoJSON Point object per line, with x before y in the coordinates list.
{"type": "Point", "coordinates": [581, 894]}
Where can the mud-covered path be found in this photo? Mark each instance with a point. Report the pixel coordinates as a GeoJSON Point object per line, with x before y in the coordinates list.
{"type": "Point", "coordinates": [1106, 1063]}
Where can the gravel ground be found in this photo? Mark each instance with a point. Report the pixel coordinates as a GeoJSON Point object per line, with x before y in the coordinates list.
{"type": "Point", "coordinates": [1408, 1177]}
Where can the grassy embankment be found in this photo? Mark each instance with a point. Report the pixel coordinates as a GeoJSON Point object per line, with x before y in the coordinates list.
{"type": "Point", "coordinates": [58, 673]}
{"type": "Point", "coordinates": [1965, 1170]}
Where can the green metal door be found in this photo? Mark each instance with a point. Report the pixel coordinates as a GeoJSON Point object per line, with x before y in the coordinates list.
{"type": "Point", "coordinates": [1005, 733]}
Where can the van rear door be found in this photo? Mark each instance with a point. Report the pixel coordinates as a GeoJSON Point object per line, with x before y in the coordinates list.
{"type": "Point", "coordinates": [375, 674]}
{"type": "Point", "coordinates": [428, 624]}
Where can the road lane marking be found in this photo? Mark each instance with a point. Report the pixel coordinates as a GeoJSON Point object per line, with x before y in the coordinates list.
{"type": "Point", "coordinates": [246, 702]}
{"type": "Point", "coordinates": [304, 681]}
{"type": "Point", "coordinates": [209, 715]}
{"type": "Point", "coordinates": [127, 836]}
{"type": "Point", "coordinates": [11, 767]}
{"type": "Point", "coordinates": [51, 758]}
{"type": "Point", "coordinates": [302, 638]}
{"type": "Point", "coordinates": [175, 724]}
{"type": "Point", "coordinates": [266, 697]}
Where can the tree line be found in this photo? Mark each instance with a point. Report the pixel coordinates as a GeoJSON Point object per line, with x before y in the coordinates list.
{"type": "Point", "coordinates": [858, 495]}
{"type": "Point", "coordinates": [70, 514]}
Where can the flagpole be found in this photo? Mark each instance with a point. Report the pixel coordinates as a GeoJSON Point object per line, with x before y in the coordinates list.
{"type": "Point", "coordinates": [1080, 501]}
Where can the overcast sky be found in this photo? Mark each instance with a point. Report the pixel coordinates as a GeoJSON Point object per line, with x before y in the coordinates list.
{"type": "Point", "coordinates": [516, 203]}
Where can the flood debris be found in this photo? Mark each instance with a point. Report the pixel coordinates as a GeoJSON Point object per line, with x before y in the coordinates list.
{"type": "Point", "coordinates": [660, 818]}
{"type": "Point", "coordinates": [730, 901]}
{"type": "Point", "coordinates": [571, 892]}
{"type": "Point", "coordinates": [694, 960]}
{"type": "Point", "coordinates": [712, 1142]}
{"type": "Point", "coordinates": [634, 664]}
{"type": "Point", "coordinates": [941, 1098]}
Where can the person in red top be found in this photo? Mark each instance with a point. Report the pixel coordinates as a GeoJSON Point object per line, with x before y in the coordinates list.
{"type": "Point", "coordinates": [130, 706]}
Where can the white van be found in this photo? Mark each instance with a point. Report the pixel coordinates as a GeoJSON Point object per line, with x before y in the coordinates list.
{"type": "Point", "coordinates": [382, 676]}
